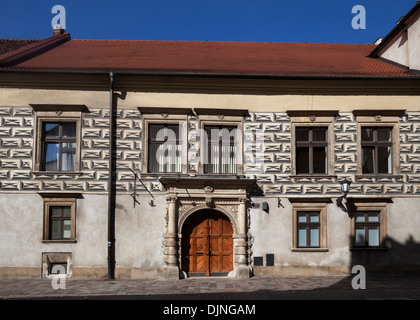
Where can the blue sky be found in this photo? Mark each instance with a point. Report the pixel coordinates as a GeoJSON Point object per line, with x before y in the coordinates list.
{"type": "Point", "coordinates": [204, 20]}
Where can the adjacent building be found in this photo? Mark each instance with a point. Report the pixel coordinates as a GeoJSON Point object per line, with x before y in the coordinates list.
{"type": "Point", "coordinates": [173, 159]}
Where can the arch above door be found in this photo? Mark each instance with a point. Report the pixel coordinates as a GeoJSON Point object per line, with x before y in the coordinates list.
{"type": "Point", "coordinates": [207, 244]}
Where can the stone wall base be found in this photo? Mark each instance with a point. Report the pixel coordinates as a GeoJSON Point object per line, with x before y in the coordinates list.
{"type": "Point", "coordinates": [161, 273]}
{"type": "Point", "coordinates": [327, 270]}
{"type": "Point", "coordinates": [87, 273]}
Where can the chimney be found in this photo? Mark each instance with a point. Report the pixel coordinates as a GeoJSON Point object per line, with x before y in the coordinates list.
{"type": "Point", "coordinates": [58, 30]}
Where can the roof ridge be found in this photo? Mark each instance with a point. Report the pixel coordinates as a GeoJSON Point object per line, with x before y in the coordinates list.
{"type": "Point", "coordinates": [224, 41]}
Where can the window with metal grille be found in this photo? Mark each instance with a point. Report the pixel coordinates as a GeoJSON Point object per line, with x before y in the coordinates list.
{"type": "Point", "coordinates": [220, 151]}
{"type": "Point", "coordinates": [164, 148]}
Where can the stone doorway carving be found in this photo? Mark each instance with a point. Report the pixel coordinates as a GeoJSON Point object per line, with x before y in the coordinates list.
{"type": "Point", "coordinates": [185, 196]}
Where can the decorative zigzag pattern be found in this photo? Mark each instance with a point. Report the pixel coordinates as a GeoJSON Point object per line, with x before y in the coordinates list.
{"type": "Point", "coordinates": [271, 155]}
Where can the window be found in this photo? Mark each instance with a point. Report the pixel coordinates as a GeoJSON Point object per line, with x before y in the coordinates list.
{"type": "Point", "coordinates": [54, 263]}
{"type": "Point", "coordinates": [309, 224]}
{"type": "Point", "coordinates": [60, 222]}
{"type": "Point", "coordinates": [59, 217]}
{"type": "Point", "coordinates": [311, 150]}
{"type": "Point", "coordinates": [378, 138]}
{"type": "Point", "coordinates": [366, 229]}
{"type": "Point", "coordinates": [369, 223]}
{"type": "Point", "coordinates": [221, 149]}
{"type": "Point", "coordinates": [164, 148]}
{"type": "Point", "coordinates": [376, 146]}
{"type": "Point", "coordinates": [308, 227]}
{"type": "Point", "coordinates": [165, 142]}
{"type": "Point", "coordinates": [312, 138]}
{"type": "Point", "coordinates": [58, 138]}
{"type": "Point", "coordinates": [58, 146]}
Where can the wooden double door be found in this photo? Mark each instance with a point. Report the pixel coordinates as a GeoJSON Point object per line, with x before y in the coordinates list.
{"type": "Point", "coordinates": [207, 244]}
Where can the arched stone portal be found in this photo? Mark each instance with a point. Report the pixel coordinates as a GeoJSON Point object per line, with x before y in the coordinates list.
{"type": "Point", "coordinates": [225, 196]}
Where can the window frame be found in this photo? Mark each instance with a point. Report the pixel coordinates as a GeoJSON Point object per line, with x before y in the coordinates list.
{"type": "Point", "coordinates": [158, 115]}
{"type": "Point", "coordinates": [313, 119]}
{"type": "Point", "coordinates": [59, 200]}
{"type": "Point", "coordinates": [375, 143]}
{"type": "Point", "coordinates": [56, 114]}
{"type": "Point", "coordinates": [307, 226]}
{"type": "Point", "coordinates": [61, 221]}
{"type": "Point", "coordinates": [222, 120]}
{"type": "Point", "coordinates": [379, 119]}
{"type": "Point", "coordinates": [58, 140]}
{"type": "Point", "coordinates": [369, 205]}
{"type": "Point", "coordinates": [151, 140]}
{"type": "Point", "coordinates": [311, 144]}
{"type": "Point", "coordinates": [49, 259]}
{"type": "Point", "coordinates": [318, 205]}
{"type": "Point", "coordinates": [207, 150]}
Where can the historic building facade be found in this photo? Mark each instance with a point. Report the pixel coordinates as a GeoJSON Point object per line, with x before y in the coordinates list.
{"type": "Point", "coordinates": [222, 163]}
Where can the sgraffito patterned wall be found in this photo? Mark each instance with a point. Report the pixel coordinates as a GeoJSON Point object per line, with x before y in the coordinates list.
{"type": "Point", "coordinates": [273, 168]}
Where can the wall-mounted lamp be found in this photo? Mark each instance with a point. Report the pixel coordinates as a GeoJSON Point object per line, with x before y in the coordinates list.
{"type": "Point", "coordinates": [345, 188]}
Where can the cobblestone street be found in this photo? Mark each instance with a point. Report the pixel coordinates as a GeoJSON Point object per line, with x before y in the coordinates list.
{"type": "Point", "coordinates": [378, 286]}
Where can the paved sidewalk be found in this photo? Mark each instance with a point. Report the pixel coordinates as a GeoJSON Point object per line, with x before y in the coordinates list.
{"type": "Point", "coordinates": [378, 286]}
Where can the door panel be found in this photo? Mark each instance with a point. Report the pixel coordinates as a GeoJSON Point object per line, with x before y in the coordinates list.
{"type": "Point", "coordinates": [207, 243]}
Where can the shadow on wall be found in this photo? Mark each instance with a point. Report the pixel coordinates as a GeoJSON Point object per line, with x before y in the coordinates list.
{"type": "Point", "coordinates": [395, 257]}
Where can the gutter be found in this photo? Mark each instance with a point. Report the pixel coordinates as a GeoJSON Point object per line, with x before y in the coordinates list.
{"type": "Point", "coordinates": [414, 75]}
{"type": "Point", "coordinates": [111, 183]}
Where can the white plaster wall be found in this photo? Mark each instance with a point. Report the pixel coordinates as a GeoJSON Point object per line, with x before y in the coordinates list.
{"type": "Point", "coordinates": [139, 231]}
{"type": "Point", "coordinates": [414, 43]}
{"type": "Point", "coordinates": [21, 227]}
{"type": "Point", "coordinates": [272, 234]}
{"type": "Point", "coordinates": [254, 103]}
{"type": "Point", "coordinates": [405, 49]}
{"type": "Point", "coordinates": [398, 51]}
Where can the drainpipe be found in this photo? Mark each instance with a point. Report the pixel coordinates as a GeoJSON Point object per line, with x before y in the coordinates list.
{"type": "Point", "coordinates": [111, 189]}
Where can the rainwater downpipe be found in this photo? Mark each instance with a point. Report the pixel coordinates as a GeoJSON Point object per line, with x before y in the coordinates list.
{"type": "Point", "coordinates": [111, 189]}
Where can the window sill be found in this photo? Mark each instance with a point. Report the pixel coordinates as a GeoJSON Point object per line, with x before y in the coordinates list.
{"type": "Point", "coordinates": [309, 249]}
{"type": "Point", "coordinates": [63, 173]}
{"type": "Point", "coordinates": [368, 249]}
{"type": "Point", "coordinates": [59, 241]}
{"type": "Point", "coordinates": [379, 176]}
{"type": "Point", "coordinates": [311, 176]}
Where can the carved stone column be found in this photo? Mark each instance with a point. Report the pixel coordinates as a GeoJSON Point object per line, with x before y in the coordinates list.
{"type": "Point", "coordinates": [242, 241]}
{"type": "Point", "coordinates": [171, 241]}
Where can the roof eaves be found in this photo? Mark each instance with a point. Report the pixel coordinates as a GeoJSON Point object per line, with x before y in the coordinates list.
{"type": "Point", "coordinates": [16, 56]}
{"type": "Point", "coordinates": [409, 74]}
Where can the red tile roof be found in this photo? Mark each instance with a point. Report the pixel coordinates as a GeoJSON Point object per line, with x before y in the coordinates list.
{"type": "Point", "coordinates": [15, 51]}
{"type": "Point", "coordinates": [199, 57]}
{"type": "Point", "coordinates": [7, 45]}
